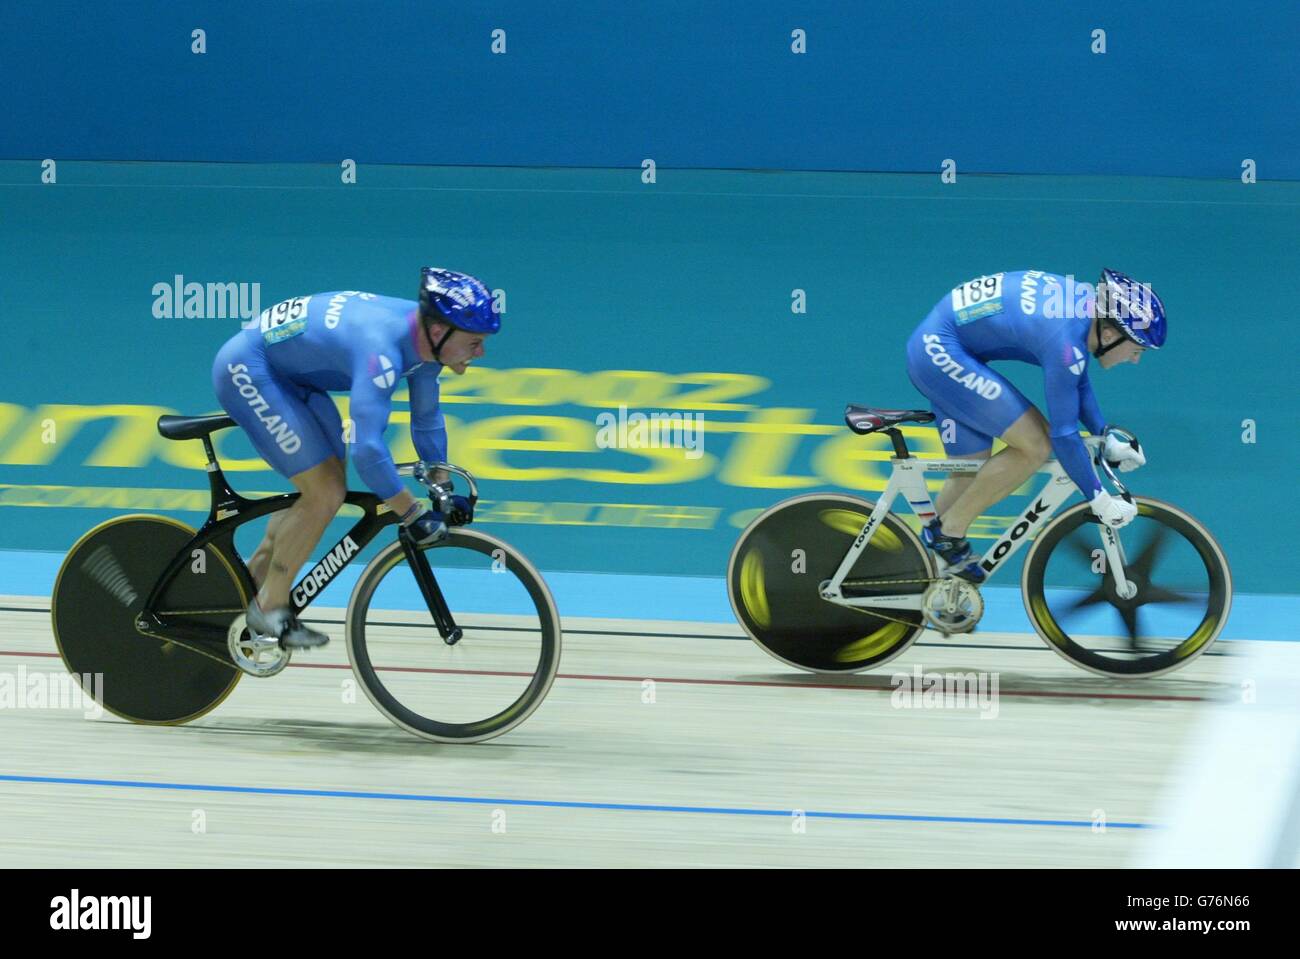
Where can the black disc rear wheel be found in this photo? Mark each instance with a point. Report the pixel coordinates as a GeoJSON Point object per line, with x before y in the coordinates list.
{"type": "Point", "coordinates": [99, 592]}
{"type": "Point", "coordinates": [783, 556]}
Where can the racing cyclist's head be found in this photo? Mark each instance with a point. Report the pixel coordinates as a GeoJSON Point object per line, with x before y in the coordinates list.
{"type": "Point", "coordinates": [1128, 319]}
{"type": "Point", "coordinates": [457, 314]}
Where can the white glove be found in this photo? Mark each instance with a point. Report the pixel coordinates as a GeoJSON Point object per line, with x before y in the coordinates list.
{"type": "Point", "coordinates": [1128, 456]}
{"type": "Point", "coordinates": [1112, 510]}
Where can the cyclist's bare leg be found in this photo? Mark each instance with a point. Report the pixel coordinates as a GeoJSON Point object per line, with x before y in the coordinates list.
{"type": "Point", "coordinates": [323, 488]}
{"type": "Point", "coordinates": [260, 561]}
{"type": "Point", "coordinates": [1028, 447]}
{"type": "Point", "coordinates": [957, 483]}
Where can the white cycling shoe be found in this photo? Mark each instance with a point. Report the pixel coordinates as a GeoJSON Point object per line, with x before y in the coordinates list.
{"type": "Point", "coordinates": [284, 626]}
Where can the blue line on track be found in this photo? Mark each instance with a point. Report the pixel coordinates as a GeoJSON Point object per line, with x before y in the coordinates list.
{"type": "Point", "coordinates": [561, 804]}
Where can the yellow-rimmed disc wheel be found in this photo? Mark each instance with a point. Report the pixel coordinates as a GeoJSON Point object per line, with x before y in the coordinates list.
{"type": "Point", "coordinates": [98, 595]}
{"type": "Point", "coordinates": [780, 561]}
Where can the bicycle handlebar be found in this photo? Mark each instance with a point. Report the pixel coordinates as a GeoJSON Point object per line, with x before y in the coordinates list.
{"type": "Point", "coordinates": [1099, 443]}
{"type": "Point", "coordinates": [424, 473]}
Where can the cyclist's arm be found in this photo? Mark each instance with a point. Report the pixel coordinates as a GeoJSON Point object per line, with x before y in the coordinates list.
{"type": "Point", "coordinates": [428, 431]}
{"type": "Point", "coordinates": [371, 405]}
{"type": "Point", "coordinates": [1089, 410]}
{"type": "Point", "coordinates": [1064, 409]}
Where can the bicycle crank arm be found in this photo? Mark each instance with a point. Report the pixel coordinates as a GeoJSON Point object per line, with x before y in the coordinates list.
{"type": "Point", "coordinates": [437, 603]}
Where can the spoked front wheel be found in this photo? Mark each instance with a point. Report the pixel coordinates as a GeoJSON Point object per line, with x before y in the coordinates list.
{"type": "Point", "coordinates": [1173, 605]}
{"type": "Point", "coordinates": [470, 685]}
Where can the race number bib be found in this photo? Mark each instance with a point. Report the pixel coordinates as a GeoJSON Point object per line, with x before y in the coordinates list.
{"type": "Point", "coordinates": [977, 298]}
{"type": "Point", "coordinates": [285, 319]}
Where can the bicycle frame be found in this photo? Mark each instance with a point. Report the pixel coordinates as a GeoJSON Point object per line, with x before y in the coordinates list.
{"type": "Point", "coordinates": [229, 511]}
{"type": "Point", "coordinates": [908, 479]}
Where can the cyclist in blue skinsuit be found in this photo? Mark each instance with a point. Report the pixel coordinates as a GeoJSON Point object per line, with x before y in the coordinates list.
{"type": "Point", "coordinates": [273, 378]}
{"type": "Point", "coordinates": [1044, 319]}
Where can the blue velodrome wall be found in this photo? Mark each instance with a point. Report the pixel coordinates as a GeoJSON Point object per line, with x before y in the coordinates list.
{"type": "Point", "coordinates": [1183, 89]}
{"type": "Point", "coordinates": [676, 297]}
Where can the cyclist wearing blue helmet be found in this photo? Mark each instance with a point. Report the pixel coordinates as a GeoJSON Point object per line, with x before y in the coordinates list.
{"type": "Point", "coordinates": [455, 302]}
{"type": "Point", "coordinates": [1049, 321]}
{"type": "Point", "coordinates": [1131, 308]}
{"type": "Point", "coordinates": [274, 378]}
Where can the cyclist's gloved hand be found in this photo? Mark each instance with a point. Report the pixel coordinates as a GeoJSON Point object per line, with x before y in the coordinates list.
{"type": "Point", "coordinates": [457, 509]}
{"type": "Point", "coordinates": [1125, 455]}
{"type": "Point", "coordinates": [1112, 510]}
{"type": "Point", "coordinates": [461, 511]}
{"type": "Point", "coordinates": [425, 526]}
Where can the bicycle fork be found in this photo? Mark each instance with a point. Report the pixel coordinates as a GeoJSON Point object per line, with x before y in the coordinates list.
{"type": "Point", "coordinates": [1116, 562]}
{"type": "Point", "coordinates": [434, 600]}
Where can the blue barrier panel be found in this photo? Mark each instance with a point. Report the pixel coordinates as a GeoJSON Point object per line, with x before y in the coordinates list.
{"type": "Point", "coordinates": [1180, 89]}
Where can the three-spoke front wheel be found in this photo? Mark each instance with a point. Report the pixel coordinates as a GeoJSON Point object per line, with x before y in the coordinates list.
{"type": "Point", "coordinates": [461, 688]}
{"type": "Point", "coordinates": [1173, 605]}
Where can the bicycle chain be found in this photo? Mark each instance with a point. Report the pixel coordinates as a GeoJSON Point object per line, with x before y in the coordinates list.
{"type": "Point", "coordinates": [193, 649]}
{"type": "Point", "coordinates": [886, 582]}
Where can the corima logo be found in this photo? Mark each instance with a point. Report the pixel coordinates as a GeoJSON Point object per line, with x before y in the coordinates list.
{"type": "Point", "coordinates": [1018, 531]}
{"type": "Point", "coordinates": [284, 437]}
{"type": "Point", "coordinates": [325, 570]}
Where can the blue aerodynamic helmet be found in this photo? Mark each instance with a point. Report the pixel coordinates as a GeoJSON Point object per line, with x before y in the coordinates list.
{"type": "Point", "coordinates": [1133, 307]}
{"type": "Point", "coordinates": [457, 299]}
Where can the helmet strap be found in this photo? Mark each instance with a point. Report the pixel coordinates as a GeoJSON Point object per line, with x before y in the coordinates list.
{"type": "Point", "coordinates": [437, 347]}
{"type": "Point", "coordinates": [1103, 350]}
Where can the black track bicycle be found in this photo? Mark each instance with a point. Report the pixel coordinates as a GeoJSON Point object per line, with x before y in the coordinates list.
{"type": "Point", "coordinates": [455, 642]}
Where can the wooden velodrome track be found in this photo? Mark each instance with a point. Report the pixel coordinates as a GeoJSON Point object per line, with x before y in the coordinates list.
{"type": "Point", "coordinates": [710, 772]}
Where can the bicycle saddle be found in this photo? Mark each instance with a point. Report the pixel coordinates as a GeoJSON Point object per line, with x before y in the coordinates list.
{"type": "Point", "coordinates": [192, 427]}
{"type": "Point", "coordinates": [868, 419]}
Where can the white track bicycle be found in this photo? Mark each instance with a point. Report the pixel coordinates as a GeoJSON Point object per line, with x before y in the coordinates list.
{"type": "Point", "coordinates": [834, 583]}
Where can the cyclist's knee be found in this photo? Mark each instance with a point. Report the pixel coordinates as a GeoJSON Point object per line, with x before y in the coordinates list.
{"type": "Point", "coordinates": [323, 489]}
{"type": "Point", "coordinates": [1039, 449]}
{"type": "Point", "coordinates": [1029, 437]}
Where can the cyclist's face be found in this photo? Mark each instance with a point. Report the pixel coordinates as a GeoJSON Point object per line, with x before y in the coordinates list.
{"type": "Point", "coordinates": [461, 349]}
{"type": "Point", "coordinates": [1126, 352]}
